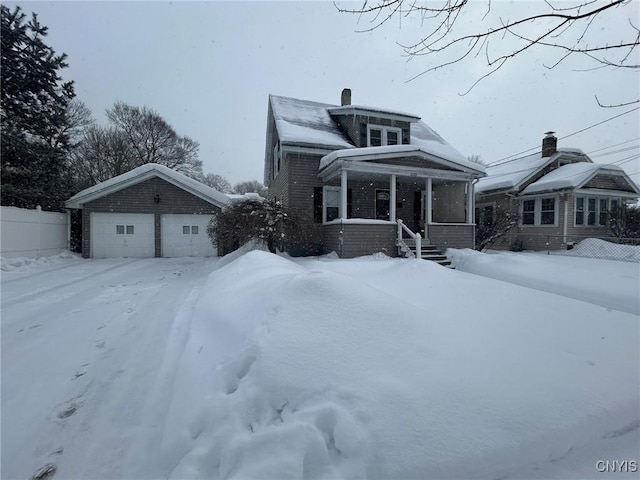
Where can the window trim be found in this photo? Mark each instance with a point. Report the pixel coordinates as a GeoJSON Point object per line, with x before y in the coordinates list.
{"type": "Point", "coordinates": [384, 130]}
{"type": "Point", "coordinates": [277, 159]}
{"type": "Point", "coordinates": [597, 213]}
{"type": "Point", "coordinates": [326, 189]}
{"type": "Point", "coordinates": [537, 211]}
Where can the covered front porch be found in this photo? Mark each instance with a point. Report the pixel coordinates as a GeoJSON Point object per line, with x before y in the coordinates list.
{"type": "Point", "coordinates": [365, 199]}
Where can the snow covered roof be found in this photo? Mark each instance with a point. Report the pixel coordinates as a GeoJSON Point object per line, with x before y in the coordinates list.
{"type": "Point", "coordinates": [302, 122]}
{"type": "Point", "coordinates": [513, 173]}
{"type": "Point", "coordinates": [142, 173]}
{"type": "Point", "coordinates": [393, 151]}
{"type": "Point", "coordinates": [426, 138]}
{"type": "Point", "coordinates": [362, 110]}
{"type": "Point", "coordinates": [570, 176]}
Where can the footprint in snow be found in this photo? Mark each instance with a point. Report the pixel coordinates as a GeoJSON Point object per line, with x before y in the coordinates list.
{"type": "Point", "coordinates": [100, 344]}
{"type": "Point", "coordinates": [45, 473]}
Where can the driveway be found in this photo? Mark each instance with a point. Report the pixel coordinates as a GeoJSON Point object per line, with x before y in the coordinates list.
{"type": "Point", "coordinates": [82, 344]}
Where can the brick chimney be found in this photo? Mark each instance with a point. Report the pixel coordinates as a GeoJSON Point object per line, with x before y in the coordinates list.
{"type": "Point", "coordinates": [549, 144]}
{"type": "Point", "coordinates": [346, 97]}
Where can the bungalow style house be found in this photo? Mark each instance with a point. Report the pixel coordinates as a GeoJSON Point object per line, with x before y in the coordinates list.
{"type": "Point", "coordinates": [369, 179]}
{"type": "Point", "coordinates": [559, 195]}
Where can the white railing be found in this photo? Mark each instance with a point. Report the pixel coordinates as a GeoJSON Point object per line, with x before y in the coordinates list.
{"type": "Point", "coordinates": [416, 237]}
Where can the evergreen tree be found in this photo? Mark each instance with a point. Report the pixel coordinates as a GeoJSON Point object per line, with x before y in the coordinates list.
{"type": "Point", "coordinates": [33, 105]}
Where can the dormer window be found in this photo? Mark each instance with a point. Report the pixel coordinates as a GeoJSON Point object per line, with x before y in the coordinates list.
{"type": "Point", "coordinates": [378, 136]}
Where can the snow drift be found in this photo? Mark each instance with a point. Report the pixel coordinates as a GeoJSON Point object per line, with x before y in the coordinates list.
{"type": "Point", "coordinates": [377, 369]}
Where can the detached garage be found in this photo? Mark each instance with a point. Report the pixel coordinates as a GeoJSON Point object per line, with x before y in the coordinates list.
{"type": "Point", "coordinates": [151, 211]}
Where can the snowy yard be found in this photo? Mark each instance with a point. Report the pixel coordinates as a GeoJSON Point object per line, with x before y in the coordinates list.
{"type": "Point", "coordinates": [266, 367]}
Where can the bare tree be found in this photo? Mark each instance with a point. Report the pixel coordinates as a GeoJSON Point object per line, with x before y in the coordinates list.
{"type": "Point", "coordinates": [102, 153]}
{"type": "Point", "coordinates": [250, 186]}
{"type": "Point", "coordinates": [216, 181]}
{"type": "Point", "coordinates": [153, 140]}
{"type": "Point", "coordinates": [493, 225]}
{"type": "Point", "coordinates": [475, 158]}
{"type": "Point", "coordinates": [563, 30]}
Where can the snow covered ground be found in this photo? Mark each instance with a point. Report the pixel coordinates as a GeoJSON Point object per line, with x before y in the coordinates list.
{"type": "Point", "coordinates": [260, 366]}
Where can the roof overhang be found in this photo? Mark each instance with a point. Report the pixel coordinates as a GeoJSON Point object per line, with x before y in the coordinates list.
{"type": "Point", "coordinates": [373, 112]}
{"type": "Point", "coordinates": [125, 181]}
{"type": "Point", "coordinates": [352, 160]}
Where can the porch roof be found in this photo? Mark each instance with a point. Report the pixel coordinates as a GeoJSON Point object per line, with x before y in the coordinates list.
{"type": "Point", "coordinates": [360, 159]}
{"type": "Point", "coordinates": [576, 175]}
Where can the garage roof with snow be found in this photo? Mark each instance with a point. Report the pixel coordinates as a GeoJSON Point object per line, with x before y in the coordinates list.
{"type": "Point", "coordinates": [142, 173]}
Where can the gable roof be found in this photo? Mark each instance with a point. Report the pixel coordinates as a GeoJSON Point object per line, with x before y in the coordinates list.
{"type": "Point", "coordinates": [394, 151]}
{"type": "Point", "coordinates": [142, 173]}
{"type": "Point", "coordinates": [576, 175]}
{"type": "Point", "coordinates": [306, 123]}
{"type": "Point", "coordinates": [310, 124]}
{"type": "Point", "coordinates": [513, 174]}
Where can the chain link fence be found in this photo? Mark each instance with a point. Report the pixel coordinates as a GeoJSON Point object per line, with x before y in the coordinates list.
{"type": "Point", "coordinates": [612, 248]}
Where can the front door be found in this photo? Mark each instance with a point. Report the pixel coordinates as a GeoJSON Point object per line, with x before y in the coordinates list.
{"type": "Point", "coordinates": [382, 204]}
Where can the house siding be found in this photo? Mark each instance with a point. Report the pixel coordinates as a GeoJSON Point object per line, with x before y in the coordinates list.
{"type": "Point", "coordinates": [356, 127]}
{"type": "Point", "coordinates": [413, 162]}
{"type": "Point", "coordinates": [355, 240]}
{"type": "Point", "coordinates": [608, 183]}
{"type": "Point", "coordinates": [451, 236]}
{"type": "Point", "coordinates": [139, 198]}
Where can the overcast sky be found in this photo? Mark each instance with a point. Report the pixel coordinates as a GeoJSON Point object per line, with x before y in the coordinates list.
{"type": "Point", "coordinates": [208, 69]}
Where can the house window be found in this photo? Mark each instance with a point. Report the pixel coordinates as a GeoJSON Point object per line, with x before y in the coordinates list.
{"type": "Point", "coordinates": [539, 211]}
{"type": "Point", "coordinates": [383, 199]}
{"type": "Point", "coordinates": [317, 204]}
{"type": "Point", "coordinates": [185, 229]}
{"type": "Point", "coordinates": [379, 136]}
{"type": "Point", "coordinates": [129, 229]}
{"type": "Point", "coordinates": [548, 211]}
{"type": "Point", "coordinates": [276, 160]}
{"type": "Point", "coordinates": [603, 214]}
{"type": "Point", "coordinates": [119, 229]}
{"type": "Point", "coordinates": [331, 198]}
{"type": "Point", "coordinates": [579, 211]}
{"type": "Point", "coordinates": [591, 213]}
{"type": "Point", "coordinates": [194, 230]}
{"type": "Point", "coordinates": [598, 210]}
{"type": "Point", "coordinates": [484, 215]}
{"type": "Point", "coordinates": [528, 212]}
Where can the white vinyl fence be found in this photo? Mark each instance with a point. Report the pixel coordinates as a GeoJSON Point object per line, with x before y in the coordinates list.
{"type": "Point", "coordinates": [32, 233]}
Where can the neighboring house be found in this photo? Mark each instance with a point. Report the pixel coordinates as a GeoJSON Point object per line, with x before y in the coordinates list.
{"type": "Point", "coordinates": [559, 195]}
{"type": "Point", "coordinates": [151, 211]}
{"type": "Point", "coordinates": [356, 171]}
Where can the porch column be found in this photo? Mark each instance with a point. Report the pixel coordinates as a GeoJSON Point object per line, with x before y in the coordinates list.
{"type": "Point", "coordinates": [392, 190]}
{"type": "Point", "coordinates": [343, 194]}
{"type": "Point", "coordinates": [470, 202]}
{"type": "Point", "coordinates": [429, 202]}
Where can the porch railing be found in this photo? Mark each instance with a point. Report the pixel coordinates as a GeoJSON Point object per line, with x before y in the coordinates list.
{"type": "Point", "coordinates": [416, 237]}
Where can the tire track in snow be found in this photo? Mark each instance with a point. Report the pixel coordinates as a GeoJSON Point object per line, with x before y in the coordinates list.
{"type": "Point", "coordinates": [37, 293]}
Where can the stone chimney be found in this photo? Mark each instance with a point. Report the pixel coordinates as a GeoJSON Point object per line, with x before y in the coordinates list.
{"type": "Point", "coordinates": [549, 144]}
{"type": "Point", "coordinates": [346, 97]}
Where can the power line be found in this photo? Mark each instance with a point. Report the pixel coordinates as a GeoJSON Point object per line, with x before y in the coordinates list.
{"type": "Point", "coordinates": [622, 150]}
{"type": "Point", "coordinates": [497, 162]}
{"type": "Point", "coordinates": [614, 145]}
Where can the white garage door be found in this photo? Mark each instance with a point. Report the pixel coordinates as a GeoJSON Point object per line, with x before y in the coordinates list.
{"type": "Point", "coordinates": [186, 236]}
{"type": "Point", "coordinates": [122, 235]}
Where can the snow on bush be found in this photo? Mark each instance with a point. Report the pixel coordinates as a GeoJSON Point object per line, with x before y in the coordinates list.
{"type": "Point", "coordinates": [294, 370]}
